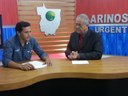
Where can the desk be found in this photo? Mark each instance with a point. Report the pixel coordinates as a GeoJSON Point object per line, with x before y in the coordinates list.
{"type": "Point", "coordinates": [106, 68]}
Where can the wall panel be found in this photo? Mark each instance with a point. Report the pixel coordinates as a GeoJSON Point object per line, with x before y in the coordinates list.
{"type": "Point", "coordinates": [50, 44]}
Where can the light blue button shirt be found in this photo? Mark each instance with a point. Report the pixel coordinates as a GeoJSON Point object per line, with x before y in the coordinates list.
{"type": "Point", "coordinates": [13, 51]}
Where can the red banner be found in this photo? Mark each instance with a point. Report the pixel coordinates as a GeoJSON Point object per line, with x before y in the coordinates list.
{"type": "Point", "coordinates": [115, 8]}
{"type": "Point", "coordinates": [8, 9]}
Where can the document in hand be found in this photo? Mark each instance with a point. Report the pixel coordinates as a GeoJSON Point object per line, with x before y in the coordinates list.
{"type": "Point", "coordinates": [37, 64]}
{"type": "Point", "coordinates": [80, 62]}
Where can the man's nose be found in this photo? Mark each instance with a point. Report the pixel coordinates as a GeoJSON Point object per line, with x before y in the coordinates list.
{"type": "Point", "coordinates": [29, 34]}
{"type": "Point", "coordinates": [77, 26]}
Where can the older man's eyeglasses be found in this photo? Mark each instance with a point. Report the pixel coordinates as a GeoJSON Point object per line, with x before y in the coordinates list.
{"type": "Point", "coordinates": [79, 25]}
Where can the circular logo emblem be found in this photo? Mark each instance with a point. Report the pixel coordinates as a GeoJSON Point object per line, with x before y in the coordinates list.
{"type": "Point", "coordinates": [50, 15]}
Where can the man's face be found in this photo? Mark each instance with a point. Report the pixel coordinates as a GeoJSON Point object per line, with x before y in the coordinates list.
{"type": "Point", "coordinates": [25, 34]}
{"type": "Point", "coordinates": [80, 26]}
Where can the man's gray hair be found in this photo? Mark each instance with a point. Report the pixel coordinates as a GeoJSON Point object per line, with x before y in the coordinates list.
{"type": "Point", "coordinates": [84, 17]}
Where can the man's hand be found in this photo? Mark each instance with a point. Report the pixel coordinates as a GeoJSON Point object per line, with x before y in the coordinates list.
{"type": "Point", "coordinates": [47, 61]}
{"type": "Point", "coordinates": [26, 67]}
{"type": "Point", "coordinates": [73, 55]}
{"type": "Point", "coordinates": [16, 65]}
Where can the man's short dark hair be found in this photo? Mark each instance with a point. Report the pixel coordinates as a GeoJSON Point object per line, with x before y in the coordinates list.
{"type": "Point", "coordinates": [20, 25]}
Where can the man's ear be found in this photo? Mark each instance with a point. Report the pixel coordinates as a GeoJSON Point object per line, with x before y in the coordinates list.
{"type": "Point", "coordinates": [85, 27]}
{"type": "Point", "coordinates": [18, 33]}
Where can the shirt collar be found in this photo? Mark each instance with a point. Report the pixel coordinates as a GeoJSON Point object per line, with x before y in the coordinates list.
{"type": "Point", "coordinates": [84, 33]}
{"type": "Point", "coordinates": [19, 40]}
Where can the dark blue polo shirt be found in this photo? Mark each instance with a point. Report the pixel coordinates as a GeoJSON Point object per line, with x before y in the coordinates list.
{"type": "Point", "coordinates": [13, 51]}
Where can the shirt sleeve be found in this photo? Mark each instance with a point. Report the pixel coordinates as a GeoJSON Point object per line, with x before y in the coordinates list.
{"type": "Point", "coordinates": [7, 54]}
{"type": "Point", "coordinates": [38, 49]}
{"type": "Point", "coordinates": [68, 49]}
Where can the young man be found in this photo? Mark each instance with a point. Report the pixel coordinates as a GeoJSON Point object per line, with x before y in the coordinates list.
{"type": "Point", "coordinates": [19, 48]}
{"type": "Point", "coordinates": [84, 44]}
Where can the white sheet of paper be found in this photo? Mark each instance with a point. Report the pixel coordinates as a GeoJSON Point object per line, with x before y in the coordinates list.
{"type": "Point", "coordinates": [36, 64]}
{"type": "Point", "coordinates": [80, 62]}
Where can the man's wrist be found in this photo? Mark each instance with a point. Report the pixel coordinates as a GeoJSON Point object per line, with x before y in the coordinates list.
{"type": "Point", "coordinates": [20, 66]}
{"type": "Point", "coordinates": [78, 57]}
{"type": "Point", "coordinates": [44, 58]}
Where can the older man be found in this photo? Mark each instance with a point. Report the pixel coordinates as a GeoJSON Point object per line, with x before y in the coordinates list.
{"type": "Point", "coordinates": [84, 44]}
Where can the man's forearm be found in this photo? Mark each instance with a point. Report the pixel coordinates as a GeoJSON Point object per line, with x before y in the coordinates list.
{"type": "Point", "coordinates": [13, 64]}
